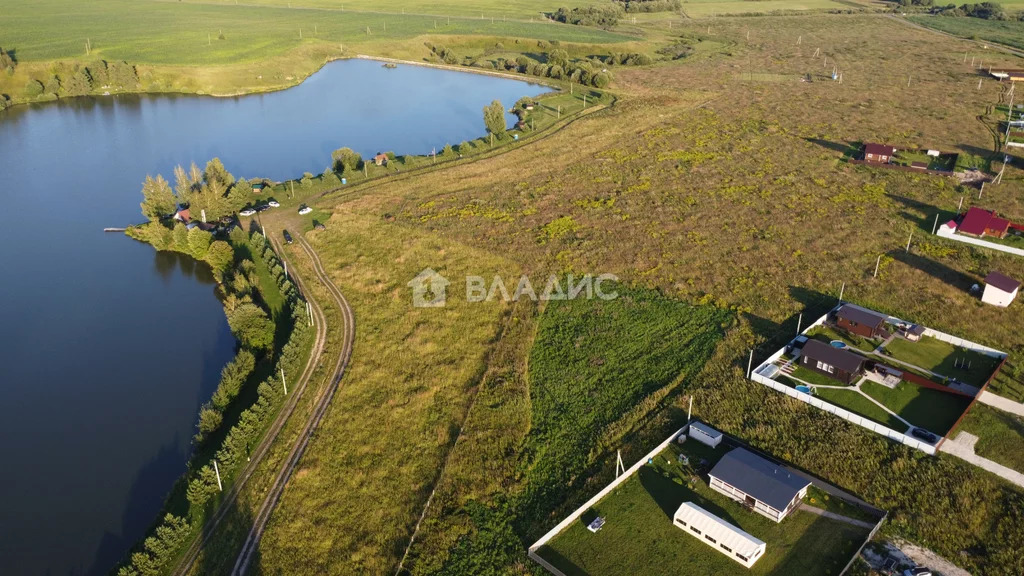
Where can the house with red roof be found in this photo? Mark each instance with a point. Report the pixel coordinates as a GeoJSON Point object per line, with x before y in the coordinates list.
{"type": "Point", "coordinates": [980, 222]}
{"type": "Point", "coordinates": [183, 215]}
{"type": "Point", "coordinates": [878, 153]}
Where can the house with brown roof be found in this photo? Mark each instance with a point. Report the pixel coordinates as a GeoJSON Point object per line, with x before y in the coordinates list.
{"type": "Point", "coordinates": [1000, 289]}
{"type": "Point", "coordinates": [836, 363]}
{"type": "Point", "coordinates": [381, 159]}
{"type": "Point", "coordinates": [878, 153]}
{"type": "Point", "coordinates": [860, 321]}
{"type": "Point", "coordinates": [183, 215]}
{"type": "Point", "coordinates": [980, 222]}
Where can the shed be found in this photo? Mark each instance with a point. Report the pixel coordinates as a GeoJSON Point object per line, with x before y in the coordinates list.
{"type": "Point", "coordinates": [381, 159]}
{"type": "Point", "coordinates": [705, 434]}
{"type": "Point", "coordinates": [183, 215]}
{"type": "Point", "coordinates": [1000, 289]}
{"type": "Point", "coordinates": [257, 187]}
{"type": "Point", "coordinates": [836, 363]}
{"type": "Point", "coordinates": [878, 153]}
{"type": "Point", "coordinates": [934, 153]}
{"type": "Point", "coordinates": [760, 484]}
{"type": "Point", "coordinates": [719, 534]}
{"type": "Point", "coordinates": [860, 321]}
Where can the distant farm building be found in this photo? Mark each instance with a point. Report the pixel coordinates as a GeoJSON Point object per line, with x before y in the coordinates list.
{"type": "Point", "coordinates": [1000, 289]}
{"type": "Point", "coordinates": [836, 363]}
{"type": "Point", "coordinates": [979, 222]}
{"type": "Point", "coordinates": [719, 534]}
{"type": "Point", "coordinates": [861, 322]}
{"type": "Point", "coordinates": [759, 484]}
{"type": "Point", "coordinates": [381, 159]}
{"type": "Point", "coordinates": [257, 187]}
{"type": "Point", "coordinates": [878, 153]}
{"type": "Point", "coordinates": [705, 434]}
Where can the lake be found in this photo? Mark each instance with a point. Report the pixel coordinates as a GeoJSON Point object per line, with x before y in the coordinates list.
{"type": "Point", "coordinates": [108, 347]}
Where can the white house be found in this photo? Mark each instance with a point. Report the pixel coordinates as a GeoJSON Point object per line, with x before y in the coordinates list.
{"type": "Point", "coordinates": [761, 485]}
{"type": "Point", "coordinates": [1000, 289]}
{"type": "Point", "coordinates": [705, 434]}
{"type": "Point", "coordinates": [719, 534]}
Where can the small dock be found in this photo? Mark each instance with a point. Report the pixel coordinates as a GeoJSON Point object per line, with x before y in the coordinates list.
{"type": "Point", "coordinates": [114, 229]}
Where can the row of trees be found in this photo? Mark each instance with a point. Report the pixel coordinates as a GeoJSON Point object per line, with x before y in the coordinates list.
{"type": "Point", "coordinates": [638, 6]}
{"type": "Point", "coordinates": [79, 80]}
{"type": "Point", "coordinates": [255, 331]}
{"type": "Point", "coordinates": [984, 10]}
{"type": "Point", "coordinates": [556, 64]}
{"type": "Point", "coordinates": [213, 190]}
{"type": "Point", "coordinates": [605, 16]}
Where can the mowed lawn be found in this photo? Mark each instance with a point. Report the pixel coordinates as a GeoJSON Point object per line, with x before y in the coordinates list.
{"type": "Point", "coordinates": [176, 33]}
{"type": "Point", "coordinates": [939, 357]}
{"type": "Point", "coordinates": [1000, 435]}
{"type": "Point", "coordinates": [640, 537]}
{"type": "Point", "coordinates": [934, 410]}
{"type": "Point", "coordinates": [857, 403]}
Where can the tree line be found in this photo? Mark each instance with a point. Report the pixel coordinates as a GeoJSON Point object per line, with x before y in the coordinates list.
{"type": "Point", "coordinates": [556, 64]}
{"type": "Point", "coordinates": [78, 80]}
{"type": "Point", "coordinates": [255, 331]}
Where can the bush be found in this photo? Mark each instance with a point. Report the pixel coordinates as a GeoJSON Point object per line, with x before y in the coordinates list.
{"type": "Point", "coordinates": [606, 16]}
{"type": "Point", "coordinates": [34, 88]}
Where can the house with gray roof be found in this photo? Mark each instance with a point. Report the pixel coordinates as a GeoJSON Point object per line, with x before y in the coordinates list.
{"type": "Point", "coordinates": [762, 485]}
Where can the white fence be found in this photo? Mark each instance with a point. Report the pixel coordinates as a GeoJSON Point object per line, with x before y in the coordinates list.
{"type": "Point", "coordinates": [596, 498]}
{"type": "Point", "coordinates": [844, 414]}
{"type": "Point", "coordinates": [945, 232]}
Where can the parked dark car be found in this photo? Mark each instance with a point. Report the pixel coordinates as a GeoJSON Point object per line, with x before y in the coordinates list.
{"type": "Point", "coordinates": [918, 570]}
{"type": "Point", "coordinates": [925, 435]}
{"type": "Point", "coordinates": [287, 237]}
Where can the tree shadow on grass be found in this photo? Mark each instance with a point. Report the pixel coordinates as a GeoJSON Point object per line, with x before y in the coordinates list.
{"type": "Point", "coordinates": [825, 547]}
{"type": "Point", "coordinates": [774, 334]}
{"type": "Point", "coordinates": [941, 272]}
{"type": "Point", "coordinates": [847, 149]}
{"type": "Point", "coordinates": [669, 495]}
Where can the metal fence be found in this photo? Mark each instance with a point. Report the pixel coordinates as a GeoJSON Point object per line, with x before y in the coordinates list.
{"type": "Point", "coordinates": [871, 535]}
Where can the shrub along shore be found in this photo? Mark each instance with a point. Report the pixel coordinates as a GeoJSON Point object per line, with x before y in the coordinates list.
{"type": "Point", "coordinates": [250, 394]}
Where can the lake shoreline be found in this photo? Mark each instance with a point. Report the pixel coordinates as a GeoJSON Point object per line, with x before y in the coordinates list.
{"type": "Point", "coordinates": [297, 80]}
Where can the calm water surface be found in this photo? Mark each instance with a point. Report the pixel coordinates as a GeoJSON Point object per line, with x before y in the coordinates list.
{"type": "Point", "coordinates": [108, 348]}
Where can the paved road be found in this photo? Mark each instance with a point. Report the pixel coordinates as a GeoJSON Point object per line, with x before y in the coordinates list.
{"type": "Point", "coordinates": [251, 544]}
{"type": "Point", "coordinates": [229, 498]}
{"type": "Point", "coordinates": [1004, 404]}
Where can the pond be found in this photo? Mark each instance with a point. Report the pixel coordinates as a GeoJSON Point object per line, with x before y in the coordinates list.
{"type": "Point", "coordinates": [108, 347]}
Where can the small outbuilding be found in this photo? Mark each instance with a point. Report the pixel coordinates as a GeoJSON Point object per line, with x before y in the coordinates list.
{"type": "Point", "coordinates": [183, 215]}
{"type": "Point", "coordinates": [758, 483]}
{"type": "Point", "coordinates": [381, 159]}
{"type": "Point", "coordinates": [1000, 289]}
{"type": "Point", "coordinates": [836, 363]}
{"type": "Point", "coordinates": [257, 187]}
{"type": "Point", "coordinates": [719, 534]}
{"type": "Point", "coordinates": [861, 321]}
{"type": "Point", "coordinates": [705, 434]}
{"type": "Point", "coordinates": [878, 153]}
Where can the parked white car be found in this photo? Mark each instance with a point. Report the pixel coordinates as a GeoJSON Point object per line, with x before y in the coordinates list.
{"type": "Point", "coordinates": [274, 204]}
{"type": "Point", "coordinates": [305, 210]}
{"type": "Point", "coordinates": [247, 212]}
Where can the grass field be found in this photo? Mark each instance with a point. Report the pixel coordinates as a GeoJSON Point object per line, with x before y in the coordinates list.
{"type": "Point", "coordinates": [521, 9]}
{"type": "Point", "coordinates": [939, 357]}
{"type": "Point", "coordinates": [819, 498]}
{"type": "Point", "coordinates": [711, 8]}
{"type": "Point", "coordinates": [931, 409]}
{"type": "Point", "coordinates": [639, 535]}
{"type": "Point", "coordinates": [1000, 435]}
{"type": "Point", "coordinates": [1010, 33]}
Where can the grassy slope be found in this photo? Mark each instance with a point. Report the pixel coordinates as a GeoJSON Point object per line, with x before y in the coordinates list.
{"type": "Point", "coordinates": [521, 9]}
{"type": "Point", "coordinates": [743, 201]}
{"type": "Point", "coordinates": [640, 537]}
{"type": "Point", "coordinates": [405, 395]}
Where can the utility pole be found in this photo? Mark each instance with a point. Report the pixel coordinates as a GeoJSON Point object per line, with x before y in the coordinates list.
{"type": "Point", "coordinates": [982, 189]}
{"type": "Point", "coordinates": [841, 290]}
{"type": "Point", "coordinates": [877, 262]}
{"type": "Point", "coordinates": [961, 206]}
{"type": "Point", "coordinates": [799, 323]}
{"type": "Point", "coordinates": [909, 239]}
{"type": "Point", "coordinates": [689, 412]}
{"type": "Point", "coordinates": [216, 469]}
{"type": "Point", "coordinates": [750, 362]}
{"type": "Point", "coordinates": [936, 224]}
{"type": "Point", "coordinates": [283, 383]}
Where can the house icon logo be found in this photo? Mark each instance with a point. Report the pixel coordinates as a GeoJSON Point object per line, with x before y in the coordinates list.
{"type": "Point", "coordinates": [428, 289]}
